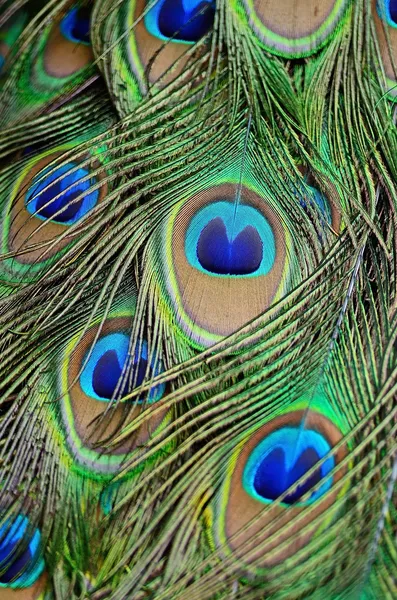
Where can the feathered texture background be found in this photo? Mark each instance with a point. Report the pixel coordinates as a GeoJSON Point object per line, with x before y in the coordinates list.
{"type": "Point", "coordinates": [198, 308]}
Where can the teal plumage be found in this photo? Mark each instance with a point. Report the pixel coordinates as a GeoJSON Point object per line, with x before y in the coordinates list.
{"type": "Point", "coordinates": [198, 300]}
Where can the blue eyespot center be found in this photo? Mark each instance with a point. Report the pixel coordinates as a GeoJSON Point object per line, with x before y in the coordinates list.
{"type": "Point", "coordinates": [55, 196]}
{"type": "Point", "coordinates": [270, 485]}
{"type": "Point", "coordinates": [219, 243]}
{"type": "Point", "coordinates": [393, 10]}
{"type": "Point", "coordinates": [217, 254]}
{"type": "Point", "coordinates": [75, 26]}
{"type": "Point", "coordinates": [185, 21]}
{"type": "Point", "coordinates": [21, 561]}
{"type": "Point", "coordinates": [103, 377]}
{"type": "Point", "coordinates": [281, 459]}
{"type": "Point", "coordinates": [107, 374]}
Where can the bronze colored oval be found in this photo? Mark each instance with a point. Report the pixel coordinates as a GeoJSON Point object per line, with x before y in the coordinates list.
{"type": "Point", "coordinates": [242, 508]}
{"type": "Point", "coordinates": [87, 410]}
{"type": "Point", "coordinates": [293, 19]}
{"type": "Point", "coordinates": [223, 305]}
{"type": "Point", "coordinates": [26, 230]}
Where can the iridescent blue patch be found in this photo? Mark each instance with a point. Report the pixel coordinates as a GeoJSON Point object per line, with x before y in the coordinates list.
{"type": "Point", "coordinates": [387, 10]}
{"type": "Point", "coordinates": [281, 459]}
{"type": "Point", "coordinates": [183, 21]}
{"type": "Point", "coordinates": [217, 253]}
{"type": "Point", "coordinates": [21, 561]}
{"type": "Point", "coordinates": [103, 373]}
{"type": "Point", "coordinates": [65, 182]}
{"type": "Point", "coordinates": [223, 241]}
{"type": "Point", "coordinates": [109, 497]}
{"type": "Point", "coordinates": [2, 61]}
{"type": "Point", "coordinates": [75, 25]}
{"type": "Point", "coordinates": [317, 199]}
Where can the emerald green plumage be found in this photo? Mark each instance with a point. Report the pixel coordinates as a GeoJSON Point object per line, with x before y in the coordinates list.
{"type": "Point", "coordinates": [198, 311]}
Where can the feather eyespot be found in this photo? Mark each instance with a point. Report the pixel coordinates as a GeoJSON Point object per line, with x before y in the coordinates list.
{"type": "Point", "coordinates": [216, 254]}
{"type": "Point", "coordinates": [59, 61]}
{"type": "Point", "coordinates": [40, 205]}
{"type": "Point", "coordinates": [316, 199]}
{"type": "Point", "coordinates": [75, 25]}
{"type": "Point", "coordinates": [156, 46]}
{"type": "Point", "coordinates": [95, 368]}
{"type": "Point", "coordinates": [261, 514]}
{"type": "Point", "coordinates": [184, 21]}
{"type": "Point", "coordinates": [21, 561]}
{"type": "Point", "coordinates": [317, 202]}
{"type": "Point", "coordinates": [9, 34]}
{"type": "Point", "coordinates": [62, 195]}
{"type": "Point", "coordinates": [384, 14]}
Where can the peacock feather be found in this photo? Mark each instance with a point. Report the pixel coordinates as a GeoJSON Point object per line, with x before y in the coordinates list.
{"type": "Point", "coordinates": [198, 314]}
{"type": "Point", "coordinates": [54, 58]}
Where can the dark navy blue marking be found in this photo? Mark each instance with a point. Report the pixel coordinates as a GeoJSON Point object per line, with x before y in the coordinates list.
{"type": "Point", "coordinates": [273, 478]}
{"type": "Point", "coordinates": [184, 21]}
{"type": "Point", "coordinates": [75, 26]}
{"type": "Point", "coordinates": [281, 459]}
{"type": "Point", "coordinates": [66, 182]}
{"type": "Point", "coordinates": [217, 254]}
{"type": "Point", "coordinates": [221, 242]}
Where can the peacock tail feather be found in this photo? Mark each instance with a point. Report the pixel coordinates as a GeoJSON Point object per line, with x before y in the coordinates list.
{"type": "Point", "coordinates": [198, 315]}
{"type": "Point", "coordinates": [54, 59]}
